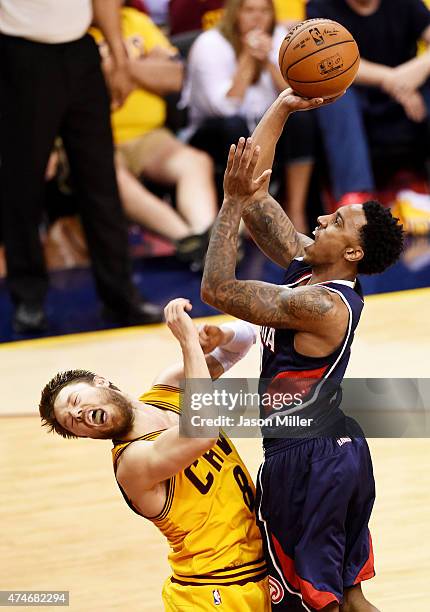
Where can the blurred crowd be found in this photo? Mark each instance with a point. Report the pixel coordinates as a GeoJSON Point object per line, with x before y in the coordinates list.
{"type": "Point", "coordinates": [122, 112]}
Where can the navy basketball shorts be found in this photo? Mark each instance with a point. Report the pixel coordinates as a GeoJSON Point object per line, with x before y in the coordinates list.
{"type": "Point", "coordinates": [314, 501]}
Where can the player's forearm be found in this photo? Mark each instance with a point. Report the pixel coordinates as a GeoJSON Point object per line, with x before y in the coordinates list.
{"type": "Point", "coordinates": [195, 365]}
{"type": "Point", "coordinates": [159, 76]}
{"type": "Point", "coordinates": [273, 231]}
{"type": "Point", "coordinates": [220, 263]}
{"type": "Point", "coordinates": [267, 134]}
{"type": "Point", "coordinates": [245, 300]}
{"type": "Point", "coordinates": [107, 17]}
{"type": "Point", "coordinates": [172, 453]}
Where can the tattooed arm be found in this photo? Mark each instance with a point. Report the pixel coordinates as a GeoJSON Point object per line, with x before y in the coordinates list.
{"type": "Point", "coordinates": [265, 219]}
{"type": "Point", "coordinates": [305, 309]}
{"type": "Point", "coordinates": [273, 232]}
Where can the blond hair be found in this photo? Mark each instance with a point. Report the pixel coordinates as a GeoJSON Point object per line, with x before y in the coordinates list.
{"type": "Point", "coordinates": [228, 23]}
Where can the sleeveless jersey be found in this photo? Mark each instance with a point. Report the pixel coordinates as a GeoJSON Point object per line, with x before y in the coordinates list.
{"type": "Point", "coordinates": [208, 517]}
{"type": "Point", "coordinates": [316, 380]}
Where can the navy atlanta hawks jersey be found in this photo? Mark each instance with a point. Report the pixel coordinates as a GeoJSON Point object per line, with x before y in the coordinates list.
{"type": "Point", "coordinates": [315, 380]}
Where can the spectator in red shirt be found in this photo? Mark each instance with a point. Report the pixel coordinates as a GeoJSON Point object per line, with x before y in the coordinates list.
{"type": "Point", "coordinates": [189, 15]}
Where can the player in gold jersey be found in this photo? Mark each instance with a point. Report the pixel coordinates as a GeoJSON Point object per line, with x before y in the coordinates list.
{"type": "Point", "coordinates": [197, 491]}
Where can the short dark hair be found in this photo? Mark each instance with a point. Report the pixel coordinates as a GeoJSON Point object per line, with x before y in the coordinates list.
{"type": "Point", "coordinates": [382, 239]}
{"type": "Point", "coordinates": [50, 393]}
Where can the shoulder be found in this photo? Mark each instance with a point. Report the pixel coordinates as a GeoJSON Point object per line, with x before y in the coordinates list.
{"type": "Point", "coordinates": [315, 301]}
{"type": "Point", "coordinates": [310, 308]}
{"type": "Point", "coordinates": [163, 395]}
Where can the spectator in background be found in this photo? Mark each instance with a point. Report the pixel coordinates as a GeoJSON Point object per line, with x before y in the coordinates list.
{"type": "Point", "coordinates": [158, 10]}
{"type": "Point", "coordinates": [390, 100]}
{"type": "Point", "coordinates": [190, 16]}
{"type": "Point", "coordinates": [146, 148]}
{"type": "Point", "coordinates": [290, 12]}
{"type": "Point", "coordinates": [139, 5]}
{"type": "Point", "coordinates": [51, 82]}
{"type": "Point", "coordinates": [233, 77]}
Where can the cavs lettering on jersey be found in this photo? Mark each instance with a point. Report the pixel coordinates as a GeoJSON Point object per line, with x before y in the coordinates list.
{"type": "Point", "coordinates": [208, 517]}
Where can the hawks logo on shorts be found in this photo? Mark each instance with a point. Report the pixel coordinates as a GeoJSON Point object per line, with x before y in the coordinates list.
{"type": "Point", "coordinates": [276, 590]}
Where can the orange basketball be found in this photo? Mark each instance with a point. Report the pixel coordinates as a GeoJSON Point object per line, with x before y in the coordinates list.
{"type": "Point", "coordinates": [319, 58]}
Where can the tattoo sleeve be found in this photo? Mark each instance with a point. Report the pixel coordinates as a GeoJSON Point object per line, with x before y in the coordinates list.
{"type": "Point", "coordinates": [304, 308]}
{"type": "Point", "coordinates": [273, 231]}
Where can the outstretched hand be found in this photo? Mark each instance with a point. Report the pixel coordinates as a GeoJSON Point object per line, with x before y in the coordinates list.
{"type": "Point", "coordinates": [179, 321]}
{"type": "Point", "coordinates": [239, 182]}
{"type": "Point", "coordinates": [291, 102]}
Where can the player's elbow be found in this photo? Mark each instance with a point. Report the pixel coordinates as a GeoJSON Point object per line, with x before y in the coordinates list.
{"type": "Point", "coordinates": [207, 293]}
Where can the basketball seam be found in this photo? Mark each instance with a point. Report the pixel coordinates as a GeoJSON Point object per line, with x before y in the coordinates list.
{"type": "Point", "coordinates": [301, 28]}
{"type": "Point", "coordinates": [350, 40]}
{"type": "Point", "coordinates": [329, 78]}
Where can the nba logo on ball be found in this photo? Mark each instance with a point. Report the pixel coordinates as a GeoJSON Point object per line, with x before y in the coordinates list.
{"type": "Point", "coordinates": [317, 36]}
{"type": "Point", "coordinates": [217, 597]}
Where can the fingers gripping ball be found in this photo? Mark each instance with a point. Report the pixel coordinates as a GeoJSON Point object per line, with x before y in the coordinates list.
{"type": "Point", "coordinates": [319, 58]}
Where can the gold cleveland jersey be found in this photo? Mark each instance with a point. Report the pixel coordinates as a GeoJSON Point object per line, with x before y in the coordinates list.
{"type": "Point", "coordinates": [208, 517]}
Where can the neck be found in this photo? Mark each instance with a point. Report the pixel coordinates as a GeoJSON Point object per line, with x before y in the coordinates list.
{"type": "Point", "coordinates": [322, 274]}
{"type": "Point", "coordinates": [148, 419]}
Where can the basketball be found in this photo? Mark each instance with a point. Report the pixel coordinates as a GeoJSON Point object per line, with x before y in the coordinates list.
{"type": "Point", "coordinates": [319, 58]}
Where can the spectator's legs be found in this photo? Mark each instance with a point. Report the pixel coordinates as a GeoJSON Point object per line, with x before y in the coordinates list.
{"type": "Point", "coordinates": [32, 102]}
{"type": "Point", "coordinates": [192, 172]}
{"type": "Point", "coordinates": [297, 180]}
{"type": "Point", "coordinates": [145, 208]}
{"type": "Point", "coordinates": [215, 135]}
{"type": "Point", "coordinates": [296, 151]}
{"type": "Point", "coordinates": [87, 139]}
{"type": "Point", "coordinates": [345, 143]}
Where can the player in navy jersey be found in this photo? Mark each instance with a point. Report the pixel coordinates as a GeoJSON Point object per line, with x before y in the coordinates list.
{"type": "Point", "coordinates": [316, 490]}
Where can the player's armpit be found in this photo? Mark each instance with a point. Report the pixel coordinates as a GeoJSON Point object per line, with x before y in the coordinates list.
{"type": "Point", "coordinates": [308, 308]}
{"type": "Point", "coordinates": [273, 231]}
{"type": "Point", "coordinates": [144, 464]}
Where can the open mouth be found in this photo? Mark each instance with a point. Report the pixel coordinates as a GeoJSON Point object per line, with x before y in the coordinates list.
{"type": "Point", "coordinates": [98, 416]}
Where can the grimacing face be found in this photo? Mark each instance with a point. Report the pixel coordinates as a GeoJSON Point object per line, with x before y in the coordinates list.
{"type": "Point", "coordinates": [337, 237]}
{"type": "Point", "coordinates": [254, 15]}
{"type": "Point", "coordinates": [93, 410]}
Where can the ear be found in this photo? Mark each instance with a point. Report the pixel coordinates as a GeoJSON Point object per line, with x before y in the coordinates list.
{"type": "Point", "coordinates": [100, 381]}
{"type": "Point", "coordinates": [354, 254]}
